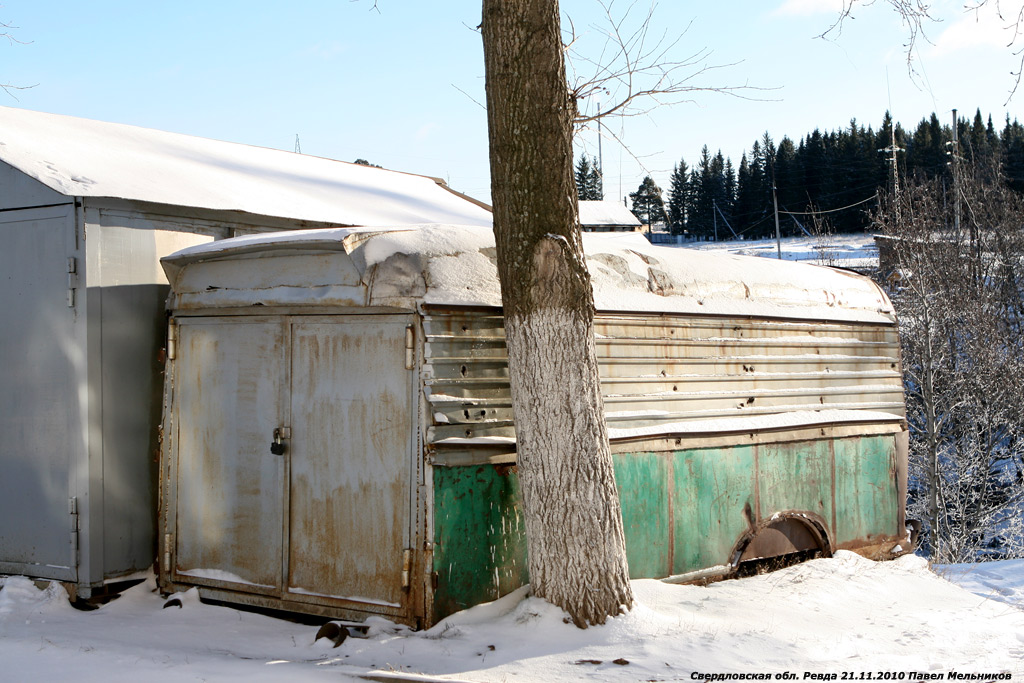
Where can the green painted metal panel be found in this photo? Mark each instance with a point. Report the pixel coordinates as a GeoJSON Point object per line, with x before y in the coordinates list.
{"type": "Point", "coordinates": [682, 511]}
{"type": "Point", "coordinates": [479, 539]}
{"type": "Point", "coordinates": [711, 489]}
{"type": "Point", "coordinates": [643, 483]}
{"type": "Point", "coordinates": [795, 476]}
{"type": "Point", "coordinates": [866, 505]}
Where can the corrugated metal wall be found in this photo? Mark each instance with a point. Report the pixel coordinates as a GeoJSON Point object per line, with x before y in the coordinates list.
{"type": "Point", "coordinates": [658, 370]}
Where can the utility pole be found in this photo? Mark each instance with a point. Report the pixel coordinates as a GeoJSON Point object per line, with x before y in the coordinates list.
{"type": "Point", "coordinates": [600, 157]}
{"type": "Point", "coordinates": [714, 215]}
{"type": "Point", "coordinates": [956, 176]}
{"type": "Point", "coordinates": [778, 234]}
{"type": "Point", "coordinates": [892, 149]}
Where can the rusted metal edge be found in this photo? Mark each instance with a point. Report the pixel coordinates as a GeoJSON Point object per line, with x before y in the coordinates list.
{"type": "Point", "coordinates": [457, 457]}
{"type": "Point", "coordinates": [718, 571]}
{"type": "Point", "coordinates": [272, 602]}
{"type": "Point", "coordinates": [288, 310]}
{"type": "Point", "coordinates": [428, 308]}
{"type": "Point", "coordinates": [761, 436]}
{"type": "Point", "coordinates": [465, 454]}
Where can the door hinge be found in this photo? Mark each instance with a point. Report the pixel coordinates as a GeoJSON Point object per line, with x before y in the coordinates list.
{"type": "Point", "coordinates": [406, 568]}
{"type": "Point", "coordinates": [410, 349]}
{"type": "Point", "coordinates": [73, 512]}
{"type": "Point", "coordinates": [172, 340]}
{"type": "Point", "coordinates": [168, 540]}
{"type": "Point", "coordinates": [72, 280]}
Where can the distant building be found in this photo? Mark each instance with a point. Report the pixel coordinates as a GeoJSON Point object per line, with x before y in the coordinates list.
{"type": "Point", "coordinates": [607, 216]}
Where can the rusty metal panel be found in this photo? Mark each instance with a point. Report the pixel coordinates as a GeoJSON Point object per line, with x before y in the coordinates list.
{"type": "Point", "coordinates": [867, 502]}
{"type": "Point", "coordinates": [666, 369]}
{"type": "Point", "coordinates": [352, 422]}
{"type": "Point", "coordinates": [796, 477]}
{"type": "Point", "coordinates": [230, 485]}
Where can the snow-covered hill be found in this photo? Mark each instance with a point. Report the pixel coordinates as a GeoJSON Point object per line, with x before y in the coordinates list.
{"type": "Point", "coordinates": [846, 615]}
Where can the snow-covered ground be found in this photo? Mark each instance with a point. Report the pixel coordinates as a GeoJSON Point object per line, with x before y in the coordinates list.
{"type": "Point", "coordinates": [855, 251]}
{"type": "Point", "coordinates": [872, 621]}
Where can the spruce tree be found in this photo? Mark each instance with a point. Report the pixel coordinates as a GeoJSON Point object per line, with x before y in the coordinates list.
{"type": "Point", "coordinates": [678, 196]}
{"type": "Point", "coordinates": [588, 179]}
{"type": "Point", "coordinates": [648, 206]}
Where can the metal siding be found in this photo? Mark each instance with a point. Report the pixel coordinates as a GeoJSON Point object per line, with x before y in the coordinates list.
{"type": "Point", "coordinates": [867, 506]}
{"type": "Point", "coordinates": [712, 489]}
{"type": "Point", "coordinates": [126, 293]}
{"type": "Point", "coordinates": [131, 388]}
{"type": "Point", "coordinates": [796, 477]}
{"type": "Point", "coordinates": [669, 369]}
{"type": "Point", "coordinates": [230, 486]}
{"type": "Point", "coordinates": [42, 375]}
{"type": "Point", "coordinates": [18, 190]}
{"type": "Point", "coordinates": [350, 465]}
{"type": "Point", "coordinates": [643, 480]}
{"type": "Point", "coordinates": [685, 508]}
{"type": "Point", "coordinates": [479, 537]}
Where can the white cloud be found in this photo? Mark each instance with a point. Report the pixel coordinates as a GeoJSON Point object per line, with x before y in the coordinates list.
{"type": "Point", "coordinates": [993, 24]}
{"type": "Point", "coordinates": [805, 8]}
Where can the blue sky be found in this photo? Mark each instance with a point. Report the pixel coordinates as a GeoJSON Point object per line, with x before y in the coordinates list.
{"type": "Point", "coordinates": [401, 86]}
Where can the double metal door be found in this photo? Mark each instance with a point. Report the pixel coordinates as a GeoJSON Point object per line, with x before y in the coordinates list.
{"type": "Point", "coordinates": [294, 467]}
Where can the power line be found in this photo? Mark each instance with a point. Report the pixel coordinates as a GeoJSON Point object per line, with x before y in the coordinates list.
{"type": "Point", "coordinates": [820, 213]}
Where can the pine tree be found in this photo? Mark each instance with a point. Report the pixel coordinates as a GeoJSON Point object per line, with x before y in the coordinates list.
{"type": "Point", "coordinates": [648, 206]}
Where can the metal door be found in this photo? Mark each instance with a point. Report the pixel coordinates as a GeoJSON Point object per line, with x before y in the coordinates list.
{"type": "Point", "coordinates": [351, 433]}
{"type": "Point", "coordinates": [230, 486]}
{"type": "Point", "coordinates": [42, 382]}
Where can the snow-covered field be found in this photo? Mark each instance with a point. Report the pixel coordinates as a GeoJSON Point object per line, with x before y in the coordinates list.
{"type": "Point", "coordinates": [855, 251]}
{"type": "Point", "coordinates": [846, 615]}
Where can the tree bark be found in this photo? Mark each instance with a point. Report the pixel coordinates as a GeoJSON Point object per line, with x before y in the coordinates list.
{"type": "Point", "coordinates": [576, 548]}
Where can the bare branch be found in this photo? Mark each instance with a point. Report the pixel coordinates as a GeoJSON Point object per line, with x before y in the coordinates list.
{"type": "Point", "coordinates": [373, 8]}
{"type": "Point", "coordinates": [916, 14]}
{"type": "Point", "coordinates": [471, 98]}
{"type": "Point", "coordinates": [637, 70]}
{"type": "Point", "coordinates": [5, 32]}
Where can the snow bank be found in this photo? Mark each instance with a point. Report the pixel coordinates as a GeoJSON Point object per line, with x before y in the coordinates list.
{"type": "Point", "coordinates": [845, 614]}
{"type": "Point", "coordinates": [834, 615]}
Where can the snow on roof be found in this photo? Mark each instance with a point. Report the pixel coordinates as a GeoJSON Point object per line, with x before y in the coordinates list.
{"type": "Point", "coordinates": [456, 265]}
{"type": "Point", "coordinates": [84, 158]}
{"type": "Point", "coordinates": [606, 212]}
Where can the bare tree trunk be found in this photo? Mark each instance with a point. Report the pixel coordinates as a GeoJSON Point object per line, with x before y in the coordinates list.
{"type": "Point", "coordinates": [576, 548]}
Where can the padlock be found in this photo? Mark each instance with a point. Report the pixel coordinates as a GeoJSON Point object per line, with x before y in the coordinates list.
{"type": "Point", "coordinates": [277, 445]}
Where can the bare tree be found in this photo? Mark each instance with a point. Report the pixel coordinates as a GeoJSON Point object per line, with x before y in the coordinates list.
{"type": "Point", "coordinates": [958, 298]}
{"type": "Point", "coordinates": [575, 541]}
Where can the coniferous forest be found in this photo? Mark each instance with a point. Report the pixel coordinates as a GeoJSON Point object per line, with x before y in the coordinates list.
{"type": "Point", "coordinates": [833, 176]}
